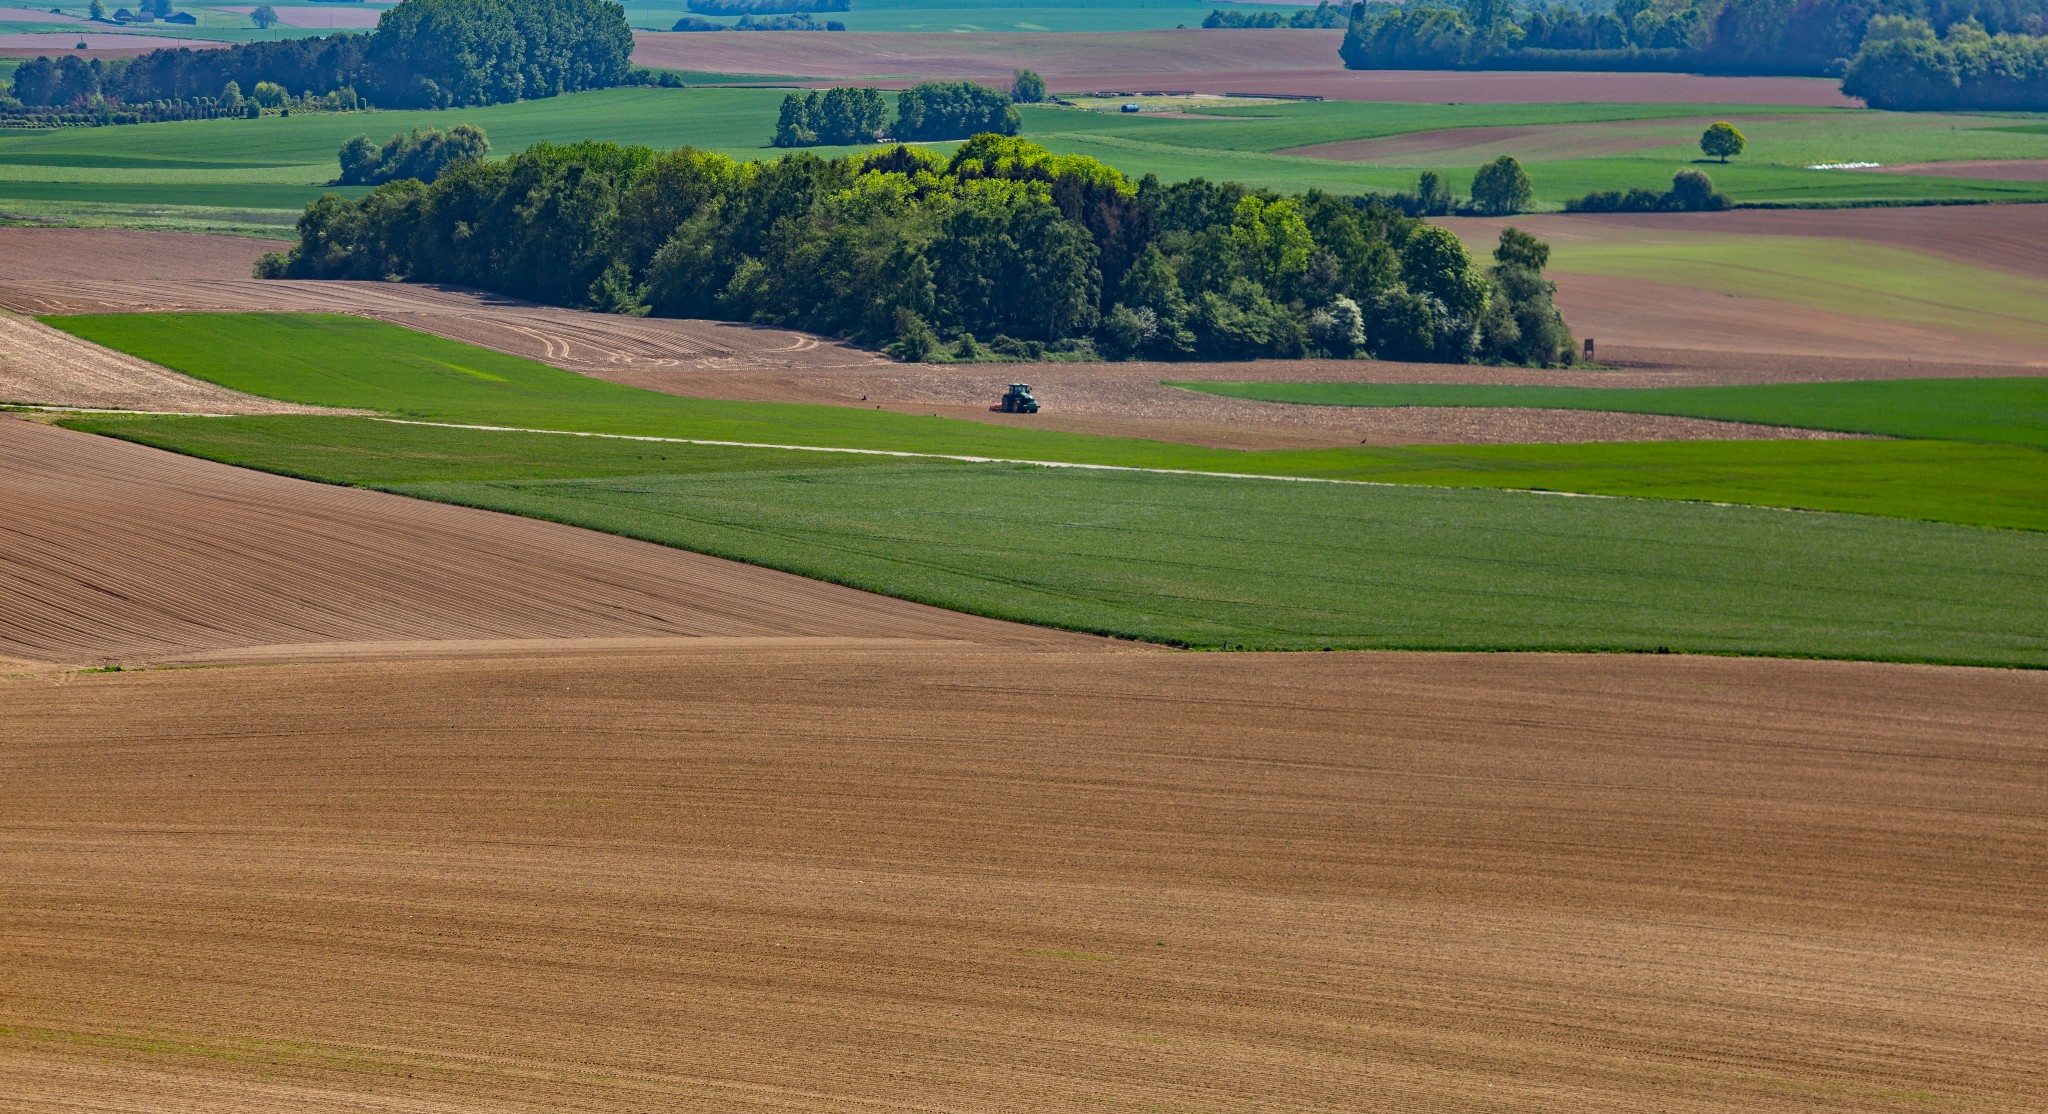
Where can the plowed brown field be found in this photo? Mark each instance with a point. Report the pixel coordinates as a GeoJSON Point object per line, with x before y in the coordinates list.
{"type": "Point", "coordinates": [982, 880]}
{"type": "Point", "coordinates": [111, 552]}
{"type": "Point", "coordinates": [1293, 63]}
{"type": "Point", "coordinates": [712, 359]}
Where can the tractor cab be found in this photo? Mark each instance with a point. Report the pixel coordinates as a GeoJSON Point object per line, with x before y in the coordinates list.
{"type": "Point", "coordinates": [1017, 400]}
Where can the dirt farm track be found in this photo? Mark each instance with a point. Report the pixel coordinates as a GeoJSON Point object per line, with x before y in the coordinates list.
{"type": "Point", "coordinates": [416, 809]}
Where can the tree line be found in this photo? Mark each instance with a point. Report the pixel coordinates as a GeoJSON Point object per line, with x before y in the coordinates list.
{"type": "Point", "coordinates": [800, 21]}
{"type": "Point", "coordinates": [1904, 65]}
{"type": "Point", "coordinates": [1808, 37]}
{"type": "Point", "coordinates": [424, 54]}
{"type": "Point", "coordinates": [1324, 15]}
{"type": "Point", "coordinates": [1003, 247]}
{"type": "Point", "coordinates": [933, 110]}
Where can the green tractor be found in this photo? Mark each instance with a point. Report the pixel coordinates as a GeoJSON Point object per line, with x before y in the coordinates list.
{"type": "Point", "coordinates": [1017, 400]}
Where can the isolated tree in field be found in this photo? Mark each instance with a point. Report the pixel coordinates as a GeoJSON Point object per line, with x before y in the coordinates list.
{"type": "Point", "coordinates": [1029, 88]}
{"type": "Point", "coordinates": [1501, 187]}
{"type": "Point", "coordinates": [96, 10]}
{"type": "Point", "coordinates": [263, 16]}
{"type": "Point", "coordinates": [1722, 141]}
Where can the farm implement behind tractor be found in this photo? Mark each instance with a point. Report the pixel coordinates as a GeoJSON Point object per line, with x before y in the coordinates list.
{"type": "Point", "coordinates": [1017, 400]}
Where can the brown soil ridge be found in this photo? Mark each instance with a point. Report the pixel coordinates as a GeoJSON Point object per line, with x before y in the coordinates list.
{"type": "Point", "coordinates": [982, 880]}
{"type": "Point", "coordinates": [112, 552]}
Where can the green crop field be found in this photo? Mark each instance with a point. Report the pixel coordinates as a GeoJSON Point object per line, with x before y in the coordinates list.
{"type": "Point", "coordinates": [1192, 560]}
{"type": "Point", "coordinates": [1210, 562]}
{"type": "Point", "coordinates": [1976, 443]}
{"type": "Point", "coordinates": [270, 168]}
{"type": "Point", "coordinates": [351, 362]}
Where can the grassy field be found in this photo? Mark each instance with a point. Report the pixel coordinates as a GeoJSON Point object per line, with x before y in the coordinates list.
{"type": "Point", "coordinates": [1210, 562]}
{"type": "Point", "coordinates": [351, 362]}
{"type": "Point", "coordinates": [273, 166]}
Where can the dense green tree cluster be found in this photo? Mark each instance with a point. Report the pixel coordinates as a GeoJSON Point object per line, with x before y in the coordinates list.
{"type": "Point", "coordinates": [1817, 37]}
{"type": "Point", "coordinates": [423, 155]}
{"type": "Point", "coordinates": [1691, 192]}
{"type": "Point", "coordinates": [937, 110]}
{"type": "Point", "coordinates": [1028, 251]}
{"type": "Point", "coordinates": [766, 7]}
{"type": "Point", "coordinates": [424, 54]}
{"type": "Point", "coordinates": [1324, 15]}
{"type": "Point", "coordinates": [438, 53]}
{"type": "Point", "coordinates": [1909, 68]}
{"type": "Point", "coordinates": [1501, 187]}
{"type": "Point", "coordinates": [840, 117]}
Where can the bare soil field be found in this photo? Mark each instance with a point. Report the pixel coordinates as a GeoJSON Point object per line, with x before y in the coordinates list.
{"type": "Point", "coordinates": [724, 360]}
{"type": "Point", "coordinates": [30, 15]}
{"type": "Point", "coordinates": [970, 879]}
{"type": "Point", "coordinates": [910, 54]}
{"type": "Point", "coordinates": [1290, 63]}
{"type": "Point", "coordinates": [1529, 143]}
{"type": "Point", "coordinates": [115, 553]}
{"type": "Point", "coordinates": [98, 45]}
{"type": "Point", "coordinates": [2004, 170]}
{"type": "Point", "coordinates": [1128, 399]}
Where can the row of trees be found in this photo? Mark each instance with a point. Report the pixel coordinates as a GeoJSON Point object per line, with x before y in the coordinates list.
{"type": "Point", "coordinates": [934, 110]}
{"type": "Point", "coordinates": [1903, 65]}
{"type": "Point", "coordinates": [424, 54]}
{"type": "Point", "coordinates": [421, 155]}
{"type": "Point", "coordinates": [1003, 246]}
{"type": "Point", "coordinates": [1691, 192]}
{"type": "Point", "coordinates": [840, 117]}
{"type": "Point", "coordinates": [1817, 37]}
{"type": "Point", "coordinates": [798, 22]}
{"type": "Point", "coordinates": [66, 92]}
{"type": "Point", "coordinates": [1323, 15]}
